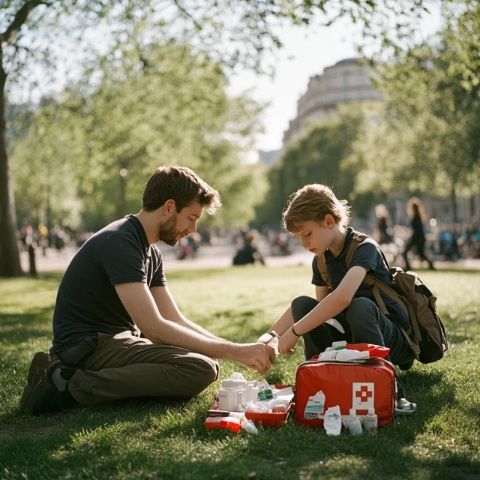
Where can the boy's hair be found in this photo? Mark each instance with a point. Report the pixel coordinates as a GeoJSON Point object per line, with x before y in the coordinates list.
{"type": "Point", "coordinates": [313, 202]}
{"type": "Point", "coordinates": [182, 185]}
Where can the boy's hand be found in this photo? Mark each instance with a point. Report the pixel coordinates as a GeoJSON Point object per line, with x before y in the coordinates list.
{"type": "Point", "coordinates": [287, 342]}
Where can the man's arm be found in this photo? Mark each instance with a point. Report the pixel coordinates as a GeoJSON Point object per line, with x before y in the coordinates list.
{"type": "Point", "coordinates": [140, 305]}
{"type": "Point", "coordinates": [330, 306]}
{"type": "Point", "coordinates": [169, 310]}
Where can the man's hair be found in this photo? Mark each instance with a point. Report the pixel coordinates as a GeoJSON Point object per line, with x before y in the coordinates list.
{"type": "Point", "coordinates": [312, 203]}
{"type": "Point", "coordinates": [182, 185]}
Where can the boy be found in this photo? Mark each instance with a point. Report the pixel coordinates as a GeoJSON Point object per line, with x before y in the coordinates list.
{"type": "Point", "coordinates": [319, 221]}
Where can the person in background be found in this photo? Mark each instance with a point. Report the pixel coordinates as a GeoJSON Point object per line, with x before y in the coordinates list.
{"type": "Point", "coordinates": [417, 238]}
{"type": "Point", "coordinates": [382, 228]}
{"type": "Point", "coordinates": [248, 253]}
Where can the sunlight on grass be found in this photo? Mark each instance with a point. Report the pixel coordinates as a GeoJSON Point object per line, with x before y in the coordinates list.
{"type": "Point", "coordinates": [151, 439]}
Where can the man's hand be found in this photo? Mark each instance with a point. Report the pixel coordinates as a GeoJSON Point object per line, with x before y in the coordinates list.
{"type": "Point", "coordinates": [287, 342]}
{"type": "Point", "coordinates": [256, 356]}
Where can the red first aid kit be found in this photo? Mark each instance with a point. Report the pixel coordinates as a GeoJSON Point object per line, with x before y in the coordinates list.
{"type": "Point", "coordinates": [362, 385]}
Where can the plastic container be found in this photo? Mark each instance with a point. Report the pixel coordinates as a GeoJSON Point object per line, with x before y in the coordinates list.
{"type": "Point", "coordinates": [225, 423]}
{"type": "Point", "coordinates": [274, 419]}
{"type": "Point", "coordinates": [371, 422]}
{"type": "Point", "coordinates": [267, 419]}
{"type": "Point", "coordinates": [353, 423]}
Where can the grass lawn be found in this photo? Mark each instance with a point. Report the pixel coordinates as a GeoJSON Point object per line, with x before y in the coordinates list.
{"type": "Point", "coordinates": [150, 439]}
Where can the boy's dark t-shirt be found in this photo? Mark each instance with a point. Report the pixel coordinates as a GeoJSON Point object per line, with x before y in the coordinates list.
{"type": "Point", "coordinates": [87, 302]}
{"type": "Point", "coordinates": [368, 256]}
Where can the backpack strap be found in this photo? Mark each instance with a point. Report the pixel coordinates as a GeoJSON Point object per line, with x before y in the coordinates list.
{"type": "Point", "coordinates": [377, 286]}
{"type": "Point", "coordinates": [322, 268]}
{"type": "Point", "coordinates": [357, 239]}
{"type": "Point", "coordinates": [380, 286]}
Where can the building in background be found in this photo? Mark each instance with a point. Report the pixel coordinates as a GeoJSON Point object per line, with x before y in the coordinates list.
{"type": "Point", "coordinates": [268, 157]}
{"type": "Point", "coordinates": [348, 81]}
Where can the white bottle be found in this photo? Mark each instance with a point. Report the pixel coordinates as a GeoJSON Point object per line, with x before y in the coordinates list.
{"type": "Point", "coordinates": [354, 424]}
{"type": "Point", "coordinates": [371, 421]}
{"type": "Point", "coordinates": [332, 421]}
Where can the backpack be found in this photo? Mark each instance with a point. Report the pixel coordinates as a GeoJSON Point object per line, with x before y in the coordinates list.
{"type": "Point", "coordinates": [426, 335]}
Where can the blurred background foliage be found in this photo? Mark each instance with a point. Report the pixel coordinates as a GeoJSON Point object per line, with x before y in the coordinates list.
{"type": "Point", "coordinates": [82, 156]}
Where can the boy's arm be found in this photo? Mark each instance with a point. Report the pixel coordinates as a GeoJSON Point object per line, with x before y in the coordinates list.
{"type": "Point", "coordinates": [285, 321]}
{"type": "Point", "coordinates": [320, 292]}
{"type": "Point", "coordinates": [330, 306]}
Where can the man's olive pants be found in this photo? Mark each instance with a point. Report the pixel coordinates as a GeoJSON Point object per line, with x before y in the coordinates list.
{"type": "Point", "coordinates": [125, 366]}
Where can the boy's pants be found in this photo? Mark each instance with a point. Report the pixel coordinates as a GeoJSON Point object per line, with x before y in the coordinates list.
{"type": "Point", "coordinates": [125, 366]}
{"type": "Point", "coordinates": [363, 323]}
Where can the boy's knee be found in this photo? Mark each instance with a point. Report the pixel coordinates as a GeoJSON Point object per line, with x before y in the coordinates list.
{"type": "Point", "coordinates": [359, 309]}
{"type": "Point", "coordinates": [301, 306]}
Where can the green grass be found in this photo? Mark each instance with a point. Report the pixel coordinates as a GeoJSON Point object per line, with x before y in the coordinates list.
{"type": "Point", "coordinates": [149, 439]}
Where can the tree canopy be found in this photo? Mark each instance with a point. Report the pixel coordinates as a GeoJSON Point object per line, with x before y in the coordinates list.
{"type": "Point", "coordinates": [317, 157]}
{"type": "Point", "coordinates": [98, 149]}
{"type": "Point", "coordinates": [232, 31]}
{"type": "Point", "coordinates": [425, 136]}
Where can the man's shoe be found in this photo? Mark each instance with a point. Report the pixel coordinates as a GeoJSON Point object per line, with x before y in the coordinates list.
{"type": "Point", "coordinates": [46, 391]}
{"type": "Point", "coordinates": [37, 376]}
{"type": "Point", "coordinates": [53, 395]}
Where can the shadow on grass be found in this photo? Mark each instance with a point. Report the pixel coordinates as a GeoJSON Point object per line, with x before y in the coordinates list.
{"type": "Point", "coordinates": [153, 448]}
{"type": "Point", "coordinates": [16, 329]}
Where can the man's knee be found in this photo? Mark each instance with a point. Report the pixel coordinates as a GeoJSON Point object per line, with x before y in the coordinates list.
{"type": "Point", "coordinates": [301, 306]}
{"type": "Point", "coordinates": [202, 371]}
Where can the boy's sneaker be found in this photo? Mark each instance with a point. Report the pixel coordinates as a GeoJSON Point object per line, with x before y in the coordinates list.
{"type": "Point", "coordinates": [46, 389]}
{"type": "Point", "coordinates": [404, 407]}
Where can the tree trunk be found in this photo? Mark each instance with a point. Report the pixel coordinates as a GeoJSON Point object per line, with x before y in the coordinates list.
{"type": "Point", "coordinates": [9, 255]}
{"type": "Point", "coordinates": [472, 205]}
{"type": "Point", "coordinates": [453, 200]}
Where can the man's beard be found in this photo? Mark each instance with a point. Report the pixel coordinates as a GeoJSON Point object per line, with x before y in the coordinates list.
{"type": "Point", "coordinates": [168, 231]}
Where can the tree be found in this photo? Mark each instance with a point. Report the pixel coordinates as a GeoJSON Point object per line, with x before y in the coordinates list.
{"type": "Point", "coordinates": [317, 157]}
{"type": "Point", "coordinates": [33, 26]}
{"type": "Point", "coordinates": [425, 137]}
{"type": "Point", "coordinates": [98, 148]}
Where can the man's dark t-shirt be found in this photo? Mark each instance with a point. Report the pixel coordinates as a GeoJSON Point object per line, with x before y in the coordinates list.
{"type": "Point", "coordinates": [368, 256]}
{"type": "Point", "coordinates": [87, 302]}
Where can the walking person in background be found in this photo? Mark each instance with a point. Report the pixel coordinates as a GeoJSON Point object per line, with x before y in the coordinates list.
{"type": "Point", "coordinates": [382, 229]}
{"type": "Point", "coordinates": [117, 330]}
{"type": "Point", "coordinates": [417, 239]}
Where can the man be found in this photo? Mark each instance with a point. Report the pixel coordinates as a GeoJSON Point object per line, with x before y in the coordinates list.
{"type": "Point", "coordinates": [117, 331]}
